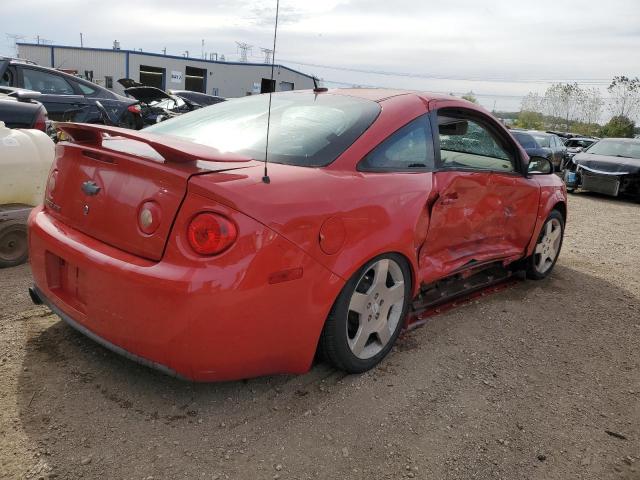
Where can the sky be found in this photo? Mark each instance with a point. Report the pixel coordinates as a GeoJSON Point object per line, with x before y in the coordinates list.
{"type": "Point", "coordinates": [499, 49]}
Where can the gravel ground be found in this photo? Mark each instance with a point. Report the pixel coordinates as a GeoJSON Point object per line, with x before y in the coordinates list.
{"type": "Point", "coordinates": [540, 381]}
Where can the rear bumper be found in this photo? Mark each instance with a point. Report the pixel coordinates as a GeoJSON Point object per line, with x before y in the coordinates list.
{"type": "Point", "coordinates": [200, 321]}
{"type": "Point", "coordinates": [38, 298]}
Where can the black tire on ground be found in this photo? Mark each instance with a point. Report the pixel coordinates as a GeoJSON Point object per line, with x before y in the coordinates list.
{"type": "Point", "coordinates": [13, 243]}
{"type": "Point", "coordinates": [334, 340]}
{"type": "Point", "coordinates": [533, 272]}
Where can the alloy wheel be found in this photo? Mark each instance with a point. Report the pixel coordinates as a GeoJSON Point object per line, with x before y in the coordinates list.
{"type": "Point", "coordinates": [375, 308]}
{"type": "Point", "coordinates": [548, 246]}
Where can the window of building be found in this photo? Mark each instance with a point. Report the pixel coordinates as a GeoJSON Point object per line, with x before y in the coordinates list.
{"type": "Point", "coordinates": [286, 86]}
{"type": "Point", "coordinates": [153, 76]}
{"type": "Point", "coordinates": [267, 85]}
{"type": "Point", "coordinates": [195, 79]}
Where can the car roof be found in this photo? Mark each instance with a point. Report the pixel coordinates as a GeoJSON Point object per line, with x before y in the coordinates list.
{"type": "Point", "coordinates": [380, 94]}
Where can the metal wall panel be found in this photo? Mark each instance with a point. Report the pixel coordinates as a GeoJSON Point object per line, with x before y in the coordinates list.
{"type": "Point", "coordinates": [227, 79]}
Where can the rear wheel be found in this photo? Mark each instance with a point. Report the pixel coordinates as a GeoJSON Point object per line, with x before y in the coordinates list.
{"type": "Point", "coordinates": [547, 248]}
{"type": "Point", "coordinates": [13, 243]}
{"type": "Point", "coordinates": [367, 316]}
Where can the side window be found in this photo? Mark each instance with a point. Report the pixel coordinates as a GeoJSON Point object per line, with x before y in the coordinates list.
{"type": "Point", "coordinates": [5, 81]}
{"type": "Point", "coordinates": [86, 89]}
{"type": "Point", "coordinates": [44, 82]}
{"type": "Point", "coordinates": [468, 144]}
{"type": "Point", "coordinates": [409, 148]}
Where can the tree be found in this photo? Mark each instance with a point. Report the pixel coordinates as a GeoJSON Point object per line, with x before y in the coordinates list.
{"type": "Point", "coordinates": [530, 120]}
{"type": "Point", "coordinates": [562, 101]}
{"type": "Point", "coordinates": [470, 96]}
{"type": "Point", "coordinates": [590, 106]}
{"type": "Point", "coordinates": [619, 126]}
{"type": "Point", "coordinates": [624, 95]}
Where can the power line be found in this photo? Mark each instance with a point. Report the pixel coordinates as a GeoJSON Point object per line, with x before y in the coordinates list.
{"type": "Point", "coordinates": [582, 81]}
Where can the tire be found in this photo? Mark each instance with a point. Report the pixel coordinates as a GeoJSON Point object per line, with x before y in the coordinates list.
{"type": "Point", "coordinates": [13, 243]}
{"type": "Point", "coordinates": [356, 335]}
{"type": "Point", "coordinates": [548, 245]}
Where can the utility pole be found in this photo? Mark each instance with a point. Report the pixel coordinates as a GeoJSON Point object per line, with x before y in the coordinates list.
{"type": "Point", "coordinates": [81, 43]}
{"type": "Point", "coordinates": [164, 51]}
{"type": "Point", "coordinates": [203, 56]}
{"type": "Point", "coordinates": [244, 48]}
{"type": "Point", "coordinates": [267, 54]}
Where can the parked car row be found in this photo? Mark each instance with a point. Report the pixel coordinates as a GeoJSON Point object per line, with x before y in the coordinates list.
{"type": "Point", "coordinates": [158, 105]}
{"type": "Point", "coordinates": [547, 145]}
{"type": "Point", "coordinates": [68, 98]}
{"type": "Point", "coordinates": [611, 166]}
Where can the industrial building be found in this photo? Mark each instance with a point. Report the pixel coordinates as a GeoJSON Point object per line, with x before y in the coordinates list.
{"type": "Point", "coordinates": [105, 66]}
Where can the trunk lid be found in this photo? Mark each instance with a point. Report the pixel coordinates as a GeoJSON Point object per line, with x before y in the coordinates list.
{"type": "Point", "coordinates": [107, 175]}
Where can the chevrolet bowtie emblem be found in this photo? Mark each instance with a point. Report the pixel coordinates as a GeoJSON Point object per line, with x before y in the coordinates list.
{"type": "Point", "coordinates": [90, 188]}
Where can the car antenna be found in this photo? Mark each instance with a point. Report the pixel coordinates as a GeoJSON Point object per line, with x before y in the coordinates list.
{"type": "Point", "coordinates": [266, 178]}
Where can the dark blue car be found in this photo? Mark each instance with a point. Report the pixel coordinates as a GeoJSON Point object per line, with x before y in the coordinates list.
{"type": "Point", "coordinates": [69, 98]}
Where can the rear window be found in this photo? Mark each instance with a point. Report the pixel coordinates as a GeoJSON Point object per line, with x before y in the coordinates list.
{"type": "Point", "coordinates": [306, 129]}
{"type": "Point", "coordinates": [526, 140]}
{"type": "Point", "coordinates": [543, 140]}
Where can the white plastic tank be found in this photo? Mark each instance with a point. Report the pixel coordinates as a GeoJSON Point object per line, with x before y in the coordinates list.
{"type": "Point", "coordinates": [25, 159]}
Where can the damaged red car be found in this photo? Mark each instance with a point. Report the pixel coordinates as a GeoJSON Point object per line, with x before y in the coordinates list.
{"type": "Point", "coordinates": [171, 245]}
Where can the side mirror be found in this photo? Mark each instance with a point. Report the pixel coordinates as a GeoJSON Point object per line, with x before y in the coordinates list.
{"type": "Point", "coordinates": [27, 95]}
{"type": "Point", "coordinates": [455, 127]}
{"type": "Point", "coordinates": [539, 166]}
{"type": "Point", "coordinates": [579, 149]}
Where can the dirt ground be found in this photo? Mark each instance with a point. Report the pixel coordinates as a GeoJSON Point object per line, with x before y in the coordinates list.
{"type": "Point", "coordinates": [541, 381]}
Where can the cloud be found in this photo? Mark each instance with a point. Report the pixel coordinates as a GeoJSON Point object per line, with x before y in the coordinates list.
{"type": "Point", "coordinates": [512, 46]}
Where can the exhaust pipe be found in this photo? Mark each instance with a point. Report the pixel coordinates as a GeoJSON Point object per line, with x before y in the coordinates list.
{"type": "Point", "coordinates": [35, 298]}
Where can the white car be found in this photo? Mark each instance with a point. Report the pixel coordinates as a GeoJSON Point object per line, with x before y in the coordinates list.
{"type": "Point", "coordinates": [25, 159]}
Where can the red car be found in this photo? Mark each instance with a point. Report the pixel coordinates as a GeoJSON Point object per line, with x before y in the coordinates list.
{"type": "Point", "coordinates": [169, 246]}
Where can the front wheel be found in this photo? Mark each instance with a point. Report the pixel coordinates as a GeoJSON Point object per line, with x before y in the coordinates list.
{"type": "Point", "coordinates": [547, 249]}
{"type": "Point", "coordinates": [367, 316]}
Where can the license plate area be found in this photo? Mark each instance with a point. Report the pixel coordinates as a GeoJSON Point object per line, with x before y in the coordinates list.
{"type": "Point", "coordinates": [66, 281]}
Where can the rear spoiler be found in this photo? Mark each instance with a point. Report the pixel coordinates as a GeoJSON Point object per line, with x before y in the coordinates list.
{"type": "Point", "coordinates": [171, 149]}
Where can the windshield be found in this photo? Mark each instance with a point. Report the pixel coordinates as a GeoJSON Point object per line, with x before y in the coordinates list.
{"type": "Point", "coordinates": [573, 143]}
{"type": "Point", "coordinates": [526, 140]}
{"type": "Point", "coordinates": [306, 129]}
{"type": "Point", "coordinates": [616, 148]}
{"type": "Point", "coordinates": [543, 140]}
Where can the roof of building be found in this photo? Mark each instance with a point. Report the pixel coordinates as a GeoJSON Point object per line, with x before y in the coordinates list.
{"type": "Point", "coordinates": [152, 54]}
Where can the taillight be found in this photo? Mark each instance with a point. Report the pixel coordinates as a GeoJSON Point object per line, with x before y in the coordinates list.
{"type": "Point", "coordinates": [135, 108]}
{"type": "Point", "coordinates": [41, 120]}
{"type": "Point", "coordinates": [210, 233]}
